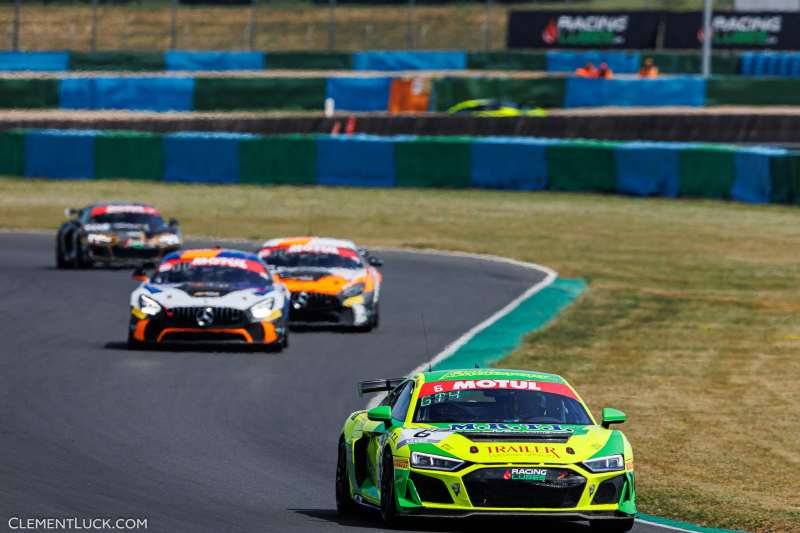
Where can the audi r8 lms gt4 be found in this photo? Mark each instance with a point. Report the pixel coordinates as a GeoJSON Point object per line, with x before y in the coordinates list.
{"type": "Point", "coordinates": [115, 233]}
{"type": "Point", "coordinates": [332, 282]}
{"type": "Point", "coordinates": [210, 296]}
{"type": "Point", "coordinates": [483, 442]}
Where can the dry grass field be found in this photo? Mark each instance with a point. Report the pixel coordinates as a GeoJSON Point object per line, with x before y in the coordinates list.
{"type": "Point", "coordinates": [691, 323]}
{"type": "Point", "coordinates": [280, 25]}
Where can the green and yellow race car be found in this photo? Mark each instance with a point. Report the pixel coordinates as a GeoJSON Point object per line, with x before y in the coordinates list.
{"type": "Point", "coordinates": [482, 442]}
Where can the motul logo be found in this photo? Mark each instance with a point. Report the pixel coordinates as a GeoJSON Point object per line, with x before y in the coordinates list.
{"type": "Point", "coordinates": [495, 384]}
{"type": "Point", "coordinates": [616, 24]}
{"type": "Point", "coordinates": [722, 23]}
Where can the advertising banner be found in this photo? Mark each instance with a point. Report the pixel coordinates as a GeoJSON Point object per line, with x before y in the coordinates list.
{"type": "Point", "coordinates": [583, 29]}
{"type": "Point", "coordinates": [751, 30]}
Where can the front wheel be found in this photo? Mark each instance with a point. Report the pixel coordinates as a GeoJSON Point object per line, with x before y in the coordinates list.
{"type": "Point", "coordinates": [344, 503]}
{"type": "Point", "coordinates": [61, 261]}
{"type": "Point", "coordinates": [612, 525]}
{"type": "Point", "coordinates": [388, 505]}
{"type": "Point", "coordinates": [82, 259]}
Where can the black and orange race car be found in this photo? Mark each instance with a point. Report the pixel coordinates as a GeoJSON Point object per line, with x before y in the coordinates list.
{"type": "Point", "coordinates": [332, 282]}
{"type": "Point", "coordinates": [209, 296]}
{"type": "Point", "coordinates": [115, 233]}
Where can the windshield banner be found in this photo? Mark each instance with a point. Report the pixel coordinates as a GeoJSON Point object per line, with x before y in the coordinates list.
{"type": "Point", "coordinates": [222, 262]}
{"type": "Point", "coordinates": [113, 209]}
{"type": "Point", "coordinates": [437, 387]}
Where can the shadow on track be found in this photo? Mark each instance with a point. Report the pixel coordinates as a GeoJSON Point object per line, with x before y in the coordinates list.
{"type": "Point", "coordinates": [205, 348]}
{"type": "Point", "coordinates": [371, 520]}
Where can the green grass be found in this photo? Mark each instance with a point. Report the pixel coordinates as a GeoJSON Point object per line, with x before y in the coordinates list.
{"type": "Point", "coordinates": [691, 323]}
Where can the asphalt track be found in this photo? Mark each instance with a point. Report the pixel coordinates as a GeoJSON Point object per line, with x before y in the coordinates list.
{"type": "Point", "coordinates": [202, 440]}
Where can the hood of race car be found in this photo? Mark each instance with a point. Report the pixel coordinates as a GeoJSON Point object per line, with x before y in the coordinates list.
{"type": "Point", "coordinates": [199, 294]}
{"type": "Point", "coordinates": [493, 443]}
{"type": "Point", "coordinates": [322, 280]}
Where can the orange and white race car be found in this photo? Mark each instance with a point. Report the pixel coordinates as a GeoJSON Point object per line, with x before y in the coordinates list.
{"type": "Point", "coordinates": [332, 282]}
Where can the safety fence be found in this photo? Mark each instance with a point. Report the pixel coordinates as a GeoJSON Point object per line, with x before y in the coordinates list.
{"type": "Point", "coordinates": [623, 62]}
{"type": "Point", "coordinates": [383, 93]}
{"type": "Point", "coordinates": [756, 175]}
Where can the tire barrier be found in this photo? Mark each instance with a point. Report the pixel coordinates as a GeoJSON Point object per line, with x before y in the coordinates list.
{"type": "Point", "coordinates": [358, 94]}
{"type": "Point", "coordinates": [753, 175]}
{"type": "Point", "coordinates": [621, 61]}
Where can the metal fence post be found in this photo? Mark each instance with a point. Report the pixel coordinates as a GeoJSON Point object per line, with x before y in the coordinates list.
{"type": "Point", "coordinates": [94, 26]}
{"type": "Point", "coordinates": [331, 24]}
{"type": "Point", "coordinates": [487, 35]}
{"type": "Point", "coordinates": [15, 28]}
{"type": "Point", "coordinates": [410, 24]}
{"type": "Point", "coordinates": [253, 22]}
{"type": "Point", "coordinates": [173, 37]}
{"type": "Point", "coordinates": [707, 36]}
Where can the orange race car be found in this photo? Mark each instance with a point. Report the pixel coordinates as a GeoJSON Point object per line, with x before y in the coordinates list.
{"type": "Point", "coordinates": [332, 282]}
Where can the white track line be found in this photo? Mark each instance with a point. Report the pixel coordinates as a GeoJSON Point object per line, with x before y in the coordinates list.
{"type": "Point", "coordinates": [453, 347]}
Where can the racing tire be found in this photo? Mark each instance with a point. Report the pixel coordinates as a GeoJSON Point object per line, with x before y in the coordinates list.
{"type": "Point", "coordinates": [612, 525]}
{"type": "Point", "coordinates": [133, 344]}
{"type": "Point", "coordinates": [81, 257]}
{"type": "Point", "coordinates": [388, 503]}
{"type": "Point", "coordinates": [344, 503]}
{"type": "Point", "coordinates": [376, 316]}
{"type": "Point", "coordinates": [61, 261]}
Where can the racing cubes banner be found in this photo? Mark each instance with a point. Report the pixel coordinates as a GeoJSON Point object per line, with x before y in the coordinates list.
{"type": "Point", "coordinates": [583, 29]}
{"type": "Point", "coordinates": [752, 30]}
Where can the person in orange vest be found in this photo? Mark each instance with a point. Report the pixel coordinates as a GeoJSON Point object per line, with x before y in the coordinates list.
{"type": "Point", "coordinates": [605, 72]}
{"type": "Point", "coordinates": [587, 71]}
{"type": "Point", "coordinates": [648, 69]}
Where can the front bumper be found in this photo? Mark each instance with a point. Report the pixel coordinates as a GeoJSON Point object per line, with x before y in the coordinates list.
{"type": "Point", "coordinates": [567, 491]}
{"type": "Point", "coordinates": [309, 308]}
{"type": "Point", "coordinates": [121, 254]}
{"type": "Point", "coordinates": [162, 329]}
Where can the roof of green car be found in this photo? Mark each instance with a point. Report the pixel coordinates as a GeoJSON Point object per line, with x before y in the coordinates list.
{"type": "Point", "coordinates": [490, 373]}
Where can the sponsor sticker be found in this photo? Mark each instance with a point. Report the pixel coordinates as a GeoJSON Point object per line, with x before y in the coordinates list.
{"type": "Point", "coordinates": [401, 462]}
{"type": "Point", "coordinates": [525, 474]}
{"type": "Point", "coordinates": [521, 450]}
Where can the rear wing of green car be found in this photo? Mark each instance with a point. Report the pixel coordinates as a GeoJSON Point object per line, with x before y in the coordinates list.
{"type": "Point", "coordinates": [378, 385]}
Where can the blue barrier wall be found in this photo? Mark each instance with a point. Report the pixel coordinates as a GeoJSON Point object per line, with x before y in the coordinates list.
{"type": "Point", "coordinates": [402, 60]}
{"type": "Point", "coordinates": [568, 61]}
{"type": "Point", "coordinates": [785, 64]}
{"type": "Point", "coordinates": [135, 93]}
{"type": "Point", "coordinates": [509, 163]}
{"type": "Point", "coordinates": [648, 169]}
{"type": "Point", "coordinates": [202, 157]}
{"type": "Point", "coordinates": [213, 60]}
{"type": "Point", "coordinates": [359, 94]}
{"type": "Point", "coordinates": [36, 61]}
{"type": "Point", "coordinates": [60, 154]}
{"type": "Point", "coordinates": [667, 91]}
{"type": "Point", "coordinates": [752, 182]}
{"type": "Point", "coordinates": [358, 161]}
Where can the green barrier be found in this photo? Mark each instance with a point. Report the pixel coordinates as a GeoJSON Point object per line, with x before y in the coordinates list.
{"type": "Point", "coordinates": [309, 60]}
{"type": "Point", "coordinates": [537, 92]}
{"type": "Point", "coordinates": [252, 94]}
{"type": "Point", "coordinates": [12, 152]}
{"type": "Point", "coordinates": [536, 61]}
{"type": "Point", "coordinates": [129, 155]}
{"type": "Point", "coordinates": [785, 179]}
{"type": "Point", "coordinates": [28, 94]}
{"type": "Point", "coordinates": [706, 171]}
{"type": "Point", "coordinates": [439, 162]}
{"type": "Point", "coordinates": [117, 61]}
{"type": "Point", "coordinates": [282, 160]}
{"type": "Point", "coordinates": [723, 63]}
{"type": "Point", "coordinates": [582, 166]}
{"type": "Point", "coordinates": [734, 90]}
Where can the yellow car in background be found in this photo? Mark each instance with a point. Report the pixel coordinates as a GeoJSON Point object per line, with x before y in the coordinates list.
{"type": "Point", "coordinates": [487, 107]}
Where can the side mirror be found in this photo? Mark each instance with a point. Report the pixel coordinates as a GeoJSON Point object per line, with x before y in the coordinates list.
{"type": "Point", "coordinates": [71, 212]}
{"type": "Point", "coordinates": [612, 416]}
{"type": "Point", "coordinates": [374, 261]}
{"type": "Point", "coordinates": [382, 413]}
{"type": "Point", "coordinates": [173, 222]}
{"type": "Point", "coordinates": [140, 273]}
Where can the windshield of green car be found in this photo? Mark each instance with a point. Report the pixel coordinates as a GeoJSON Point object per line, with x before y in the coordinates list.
{"type": "Point", "coordinates": [500, 406]}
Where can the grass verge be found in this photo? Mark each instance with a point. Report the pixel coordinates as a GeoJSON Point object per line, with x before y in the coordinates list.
{"type": "Point", "coordinates": [690, 324]}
